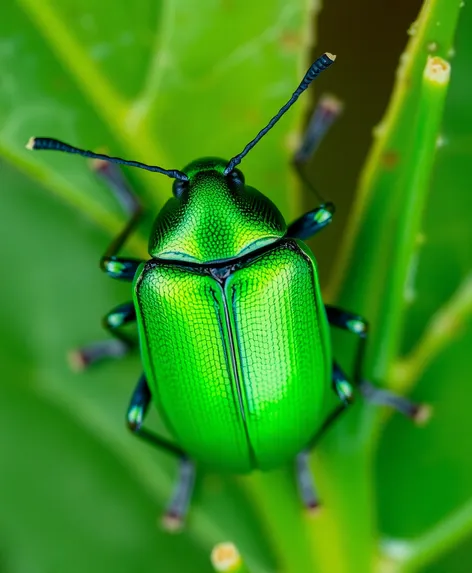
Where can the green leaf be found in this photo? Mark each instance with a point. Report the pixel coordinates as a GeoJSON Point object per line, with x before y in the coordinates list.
{"type": "Point", "coordinates": [148, 85]}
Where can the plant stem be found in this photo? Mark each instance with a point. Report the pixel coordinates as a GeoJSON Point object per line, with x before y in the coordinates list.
{"type": "Point", "coordinates": [443, 328]}
{"type": "Point", "coordinates": [409, 556]}
{"type": "Point", "coordinates": [413, 185]}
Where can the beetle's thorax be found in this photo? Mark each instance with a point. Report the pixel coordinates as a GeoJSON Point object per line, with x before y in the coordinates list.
{"type": "Point", "coordinates": [215, 218]}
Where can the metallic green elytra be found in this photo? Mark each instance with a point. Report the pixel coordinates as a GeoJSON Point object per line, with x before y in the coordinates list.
{"type": "Point", "coordinates": [232, 328]}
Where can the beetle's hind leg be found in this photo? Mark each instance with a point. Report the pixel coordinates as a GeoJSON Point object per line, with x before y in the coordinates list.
{"type": "Point", "coordinates": [306, 482]}
{"type": "Point", "coordinates": [305, 479]}
{"type": "Point", "coordinates": [358, 326]}
{"type": "Point", "coordinates": [177, 509]}
{"type": "Point", "coordinates": [81, 358]}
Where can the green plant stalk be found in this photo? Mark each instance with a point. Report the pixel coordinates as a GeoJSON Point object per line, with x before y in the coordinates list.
{"type": "Point", "coordinates": [274, 497]}
{"type": "Point", "coordinates": [446, 324]}
{"type": "Point", "coordinates": [343, 533]}
{"type": "Point", "coordinates": [226, 558]}
{"type": "Point", "coordinates": [413, 187]}
{"type": "Point", "coordinates": [361, 266]}
{"type": "Point", "coordinates": [446, 534]}
{"type": "Point", "coordinates": [364, 275]}
{"type": "Point", "coordinates": [411, 555]}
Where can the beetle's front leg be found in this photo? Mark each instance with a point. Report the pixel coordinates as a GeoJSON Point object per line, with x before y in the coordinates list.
{"type": "Point", "coordinates": [114, 266]}
{"type": "Point", "coordinates": [117, 347]}
{"type": "Point", "coordinates": [325, 113]}
{"type": "Point", "coordinates": [308, 225]}
{"type": "Point", "coordinates": [177, 509]}
{"type": "Point", "coordinates": [312, 222]}
{"type": "Point", "coordinates": [358, 326]}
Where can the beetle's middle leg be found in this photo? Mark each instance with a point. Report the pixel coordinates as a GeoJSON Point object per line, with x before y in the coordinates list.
{"type": "Point", "coordinates": [177, 509]}
{"type": "Point", "coordinates": [358, 326]}
{"type": "Point", "coordinates": [117, 347]}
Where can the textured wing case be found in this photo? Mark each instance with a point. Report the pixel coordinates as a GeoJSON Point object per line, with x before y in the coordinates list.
{"type": "Point", "coordinates": [237, 366]}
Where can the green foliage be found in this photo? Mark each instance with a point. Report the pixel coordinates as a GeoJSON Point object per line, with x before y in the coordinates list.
{"type": "Point", "coordinates": [165, 83]}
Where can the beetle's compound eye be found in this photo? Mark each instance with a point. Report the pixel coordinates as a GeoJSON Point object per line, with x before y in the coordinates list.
{"type": "Point", "coordinates": [179, 187]}
{"type": "Point", "coordinates": [236, 176]}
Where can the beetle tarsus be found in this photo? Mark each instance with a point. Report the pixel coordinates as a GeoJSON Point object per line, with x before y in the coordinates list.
{"type": "Point", "coordinates": [419, 413]}
{"type": "Point", "coordinates": [81, 358]}
{"type": "Point", "coordinates": [306, 483]}
{"type": "Point", "coordinates": [172, 523]}
{"type": "Point", "coordinates": [422, 414]}
{"type": "Point", "coordinates": [174, 518]}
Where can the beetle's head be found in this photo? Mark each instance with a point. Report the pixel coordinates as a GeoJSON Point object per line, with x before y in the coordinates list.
{"type": "Point", "coordinates": [214, 216]}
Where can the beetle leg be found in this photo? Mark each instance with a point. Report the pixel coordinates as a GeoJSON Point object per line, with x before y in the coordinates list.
{"type": "Point", "coordinates": [137, 410]}
{"type": "Point", "coordinates": [83, 357]}
{"type": "Point", "coordinates": [312, 222]}
{"type": "Point", "coordinates": [344, 391]}
{"type": "Point", "coordinates": [358, 326]}
{"type": "Point", "coordinates": [120, 268]}
{"type": "Point", "coordinates": [177, 509]}
{"type": "Point", "coordinates": [341, 385]}
{"type": "Point", "coordinates": [355, 324]}
{"type": "Point", "coordinates": [305, 482]}
{"type": "Point", "coordinates": [324, 114]}
{"type": "Point", "coordinates": [117, 267]}
{"type": "Point", "coordinates": [419, 413]}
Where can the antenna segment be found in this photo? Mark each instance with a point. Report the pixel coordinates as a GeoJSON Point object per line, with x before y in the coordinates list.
{"type": "Point", "coordinates": [56, 145]}
{"type": "Point", "coordinates": [316, 68]}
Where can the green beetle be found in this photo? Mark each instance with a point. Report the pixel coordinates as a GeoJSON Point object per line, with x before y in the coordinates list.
{"type": "Point", "coordinates": [233, 332]}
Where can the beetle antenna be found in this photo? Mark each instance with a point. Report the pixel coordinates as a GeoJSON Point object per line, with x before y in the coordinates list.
{"type": "Point", "coordinates": [56, 145]}
{"type": "Point", "coordinates": [316, 68]}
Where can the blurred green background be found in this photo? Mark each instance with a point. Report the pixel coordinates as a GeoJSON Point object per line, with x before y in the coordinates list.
{"type": "Point", "coordinates": [166, 82]}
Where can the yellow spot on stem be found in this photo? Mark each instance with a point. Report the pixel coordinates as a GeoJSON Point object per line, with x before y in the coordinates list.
{"type": "Point", "coordinates": [437, 70]}
{"type": "Point", "coordinates": [225, 557]}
